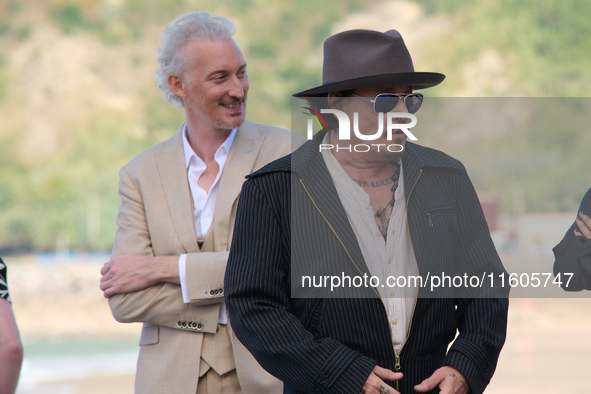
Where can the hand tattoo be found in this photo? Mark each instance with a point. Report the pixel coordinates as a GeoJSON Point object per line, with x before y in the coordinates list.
{"type": "Point", "coordinates": [362, 391]}
{"type": "Point", "coordinates": [463, 382]}
{"type": "Point", "coordinates": [383, 390]}
{"type": "Point", "coordinates": [465, 386]}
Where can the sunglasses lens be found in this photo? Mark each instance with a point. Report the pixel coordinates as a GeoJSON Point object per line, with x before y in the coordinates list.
{"type": "Point", "coordinates": [413, 102]}
{"type": "Point", "coordinates": [386, 103]}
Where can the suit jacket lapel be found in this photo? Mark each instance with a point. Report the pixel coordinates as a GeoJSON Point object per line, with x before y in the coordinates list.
{"type": "Point", "coordinates": [239, 164]}
{"type": "Point", "coordinates": [173, 175]}
{"type": "Point", "coordinates": [320, 186]}
{"type": "Point", "coordinates": [412, 168]}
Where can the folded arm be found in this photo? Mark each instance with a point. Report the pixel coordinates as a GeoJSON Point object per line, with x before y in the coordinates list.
{"type": "Point", "coordinates": [142, 287]}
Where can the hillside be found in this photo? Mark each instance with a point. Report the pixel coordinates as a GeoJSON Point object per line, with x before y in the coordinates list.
{"type": "Point", "coordinates": [78, 99]}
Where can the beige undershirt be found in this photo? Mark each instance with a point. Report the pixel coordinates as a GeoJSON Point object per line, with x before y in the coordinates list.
{"type": "Point", "coordinates": [393, 256]}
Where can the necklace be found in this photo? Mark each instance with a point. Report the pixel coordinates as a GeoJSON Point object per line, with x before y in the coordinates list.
{"type": "Point", "coordinates": [381, 212]}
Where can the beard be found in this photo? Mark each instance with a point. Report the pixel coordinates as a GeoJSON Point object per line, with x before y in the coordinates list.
{"type": "Point", "coordinates": [400, 145]}
{"type": "Point", "coordinates": [391, 156]}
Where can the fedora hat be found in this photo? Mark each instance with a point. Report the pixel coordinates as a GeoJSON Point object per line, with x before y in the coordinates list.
{"type": "Point", "coordinates": [357, 59]}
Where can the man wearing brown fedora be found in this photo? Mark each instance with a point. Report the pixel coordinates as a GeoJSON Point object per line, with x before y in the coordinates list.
{"type": "Point", "coordinates": [320, 233]}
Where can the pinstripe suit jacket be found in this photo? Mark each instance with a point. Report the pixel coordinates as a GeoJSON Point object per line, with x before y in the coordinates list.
{"type": "Point", "coordinates": [289, 211]}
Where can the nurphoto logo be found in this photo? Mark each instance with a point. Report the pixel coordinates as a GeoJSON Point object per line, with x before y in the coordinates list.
{"type": "Point", "coordinates": [345, 129]}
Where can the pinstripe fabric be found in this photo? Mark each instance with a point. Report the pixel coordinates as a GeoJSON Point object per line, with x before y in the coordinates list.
{"type": "Point", "coordinates": [330, 345]}
{"type": "Point", "coordinates": [573, 255]}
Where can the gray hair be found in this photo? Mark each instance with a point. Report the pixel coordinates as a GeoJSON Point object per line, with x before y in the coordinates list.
{"type": "Point", "coordinates": [185, 28]}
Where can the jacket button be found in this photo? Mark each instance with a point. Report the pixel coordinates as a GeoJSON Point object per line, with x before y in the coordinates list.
{"type": "Point", "coordinates": [216, 292]}
{"type": "Point", "coordinates": [179, 323]}
{"type": "Point", "coordinates": [199, 327]}
{"type": "Point", "coordinates": [211, 292]}
{"type": "Point", "coordinates": [221, 291]}
{"type": "Point", "coordinates": [184, 324]}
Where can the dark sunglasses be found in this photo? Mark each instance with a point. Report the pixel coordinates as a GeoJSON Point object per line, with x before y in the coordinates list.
{"type": "Point", "coordinates": [386, 102]}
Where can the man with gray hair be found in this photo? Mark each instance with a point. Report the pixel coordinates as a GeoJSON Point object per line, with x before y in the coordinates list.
{"type": "Point", "coordinates": [175, 222]}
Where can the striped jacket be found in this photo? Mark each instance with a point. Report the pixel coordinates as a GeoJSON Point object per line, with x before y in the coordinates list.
{"type": "Point", "coordinates": [290, 216]}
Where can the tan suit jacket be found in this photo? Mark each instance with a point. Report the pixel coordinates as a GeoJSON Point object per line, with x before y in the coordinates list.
{"type": "Point", "coordinates": [156, 219]}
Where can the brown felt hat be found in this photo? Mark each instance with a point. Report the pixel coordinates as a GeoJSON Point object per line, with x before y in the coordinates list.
{"type": "Point", "coordinates": [357, 59]}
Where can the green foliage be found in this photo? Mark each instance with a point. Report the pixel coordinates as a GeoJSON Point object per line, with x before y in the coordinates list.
{"type": "Point", "coordinates": [263, 49]}
{"type": "Point", "coordinates": [546, 42]}
{"type": "Point", "coordinates": [68, 18]}
{"type": "Point", "coordinates": [72, 194]}
{"type": "Point", "coordinates": [538, 146]}
{"type": "Point", "coordinates": [4, 81]}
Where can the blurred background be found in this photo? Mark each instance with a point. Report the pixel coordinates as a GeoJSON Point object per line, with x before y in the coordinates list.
{"type": "Point", "coordinates": [78, 100]}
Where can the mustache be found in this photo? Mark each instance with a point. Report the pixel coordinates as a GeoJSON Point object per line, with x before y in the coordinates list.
{"type": "Point", "coordinates": [233, 101]}
{"type": "Point", "coordinates": [401, 121]}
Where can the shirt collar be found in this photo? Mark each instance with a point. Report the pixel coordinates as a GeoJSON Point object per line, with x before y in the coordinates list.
{"type": "Point", "coordinates": [223, 150]}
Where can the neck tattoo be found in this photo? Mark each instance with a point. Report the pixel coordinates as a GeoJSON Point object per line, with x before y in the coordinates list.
{"type": "Point", "coordinates": [381, 213]}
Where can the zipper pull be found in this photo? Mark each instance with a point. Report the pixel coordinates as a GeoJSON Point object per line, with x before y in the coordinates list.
{"type": "Point", "coordinates": [396, 369]}
{"type": "Point", "coordinates": [430, 222]}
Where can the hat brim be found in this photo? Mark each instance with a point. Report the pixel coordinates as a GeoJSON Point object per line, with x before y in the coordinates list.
{"type": "Point", "coordinates": [418, 80]}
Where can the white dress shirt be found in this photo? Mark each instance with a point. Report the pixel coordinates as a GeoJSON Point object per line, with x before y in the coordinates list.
{"type": "Point", "coordinates": [393, 256]}
{"type": "Point", "coordinates": [203, 202]}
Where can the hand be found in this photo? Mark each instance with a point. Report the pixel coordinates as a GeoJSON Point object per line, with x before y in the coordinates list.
{"type": "Point", "coordinates": [584, 226]}
{"type": "Point", "coordinates": [132, 272]}
{"type": "Point", "coordinates": [375, 381]}
{"type": "Point", "coordinates": [449, 380]}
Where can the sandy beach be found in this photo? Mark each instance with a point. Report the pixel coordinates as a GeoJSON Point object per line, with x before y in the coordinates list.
{"type": "Point", "coordinates": [547, 348]}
